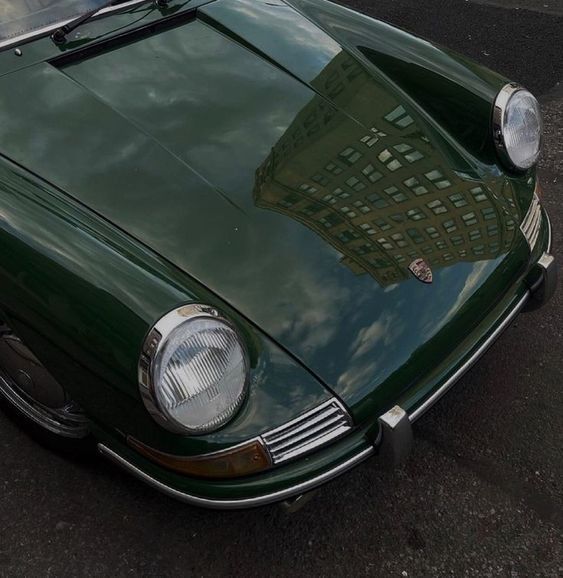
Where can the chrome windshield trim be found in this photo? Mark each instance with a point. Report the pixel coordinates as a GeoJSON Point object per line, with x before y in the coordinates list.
{"type": "Point", "coordinates": [429, 402]}
{"type": "Point", "coordinates": [263, 500]}
{"type": "Point", "coordinates": [27, 36]}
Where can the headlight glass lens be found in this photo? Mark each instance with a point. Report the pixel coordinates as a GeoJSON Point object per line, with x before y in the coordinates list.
{"type": "Point", "coordinates": [522, 129]}
{"type": "Point", "coordinates": [199, 375]}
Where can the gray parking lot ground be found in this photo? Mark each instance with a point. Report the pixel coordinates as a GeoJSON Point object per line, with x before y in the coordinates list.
{"type": "Point", "coordinates": [482, 492]}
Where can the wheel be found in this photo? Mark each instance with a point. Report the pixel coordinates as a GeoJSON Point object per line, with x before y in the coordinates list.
{"type": "Point", "coordinates": [36, 401]}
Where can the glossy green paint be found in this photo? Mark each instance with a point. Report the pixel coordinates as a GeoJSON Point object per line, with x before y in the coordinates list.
{"type": "Point", "coordinates": [83, 295]}
{"type": "Point", "coordinates": [199, 162]}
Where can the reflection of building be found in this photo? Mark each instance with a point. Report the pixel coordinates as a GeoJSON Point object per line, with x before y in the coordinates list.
{"type": "Point", "coordinates": [380, 196]}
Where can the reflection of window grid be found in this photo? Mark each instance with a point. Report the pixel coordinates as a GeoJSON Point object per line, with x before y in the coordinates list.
{"type": "Point", "coordinates": [385, 243]}
{"type": "Point", "coordinates": [399, 240]}
{"type": "Point", "coordinates": [341, 193]}
{"type": "Point", "coordinates": [488, 213]}
{"type": "Point", "coordinates": [350, 155]}
{"type": "Point", "coordinates": [355, 183]}
{"type": "Point", "coordinates": [382, 224]}
{"type": "Point", "coordinates": [415, 235]}
{"type": "Point", "coordinates": [369, 140]}
{"type": "Point", "coordinates": [320, 179]}
{"type": "Point", "coordinates": [449, 226]}
{"type": "Point", "coordinates": [387, 158]}
{"type": "Point", "coordinates": [312, 209]}
{"type": "Point", "coordinates": [409, 153]}
{"type": "Point", "coordinates": [333, 168]}
{"type": "Point", "coordinates": [309, 189]}
{"type": "Point", "coordinates": [437, 207]}
{"type": "Point", "coordinates": [436, 177]}
{"type": "Point", "coordinates": [347, 235]}
{"type": "Point", "coordinates": [469, 219]}
{"type": "Point", "coordinates": [414, 185]}
{"type": "Point", "coordinates": [458, 200]}
{"type": "Point", "coordinates": [348, 212]}
{"type": "Point", "coordinates": [372, 174]}
{"type": "Point", "coordinates": [363, 208]}
{"type": "Point", "coordinates": [377, 201]}
{"type": "Point", "coordinates": [399, 117]}
{"type": "Point", "coordinates": [397, 195]}
{"type": "Point", "coordinates": [478, 194]}
{"type": "Point", "coordinates": [416, 214]}
{"type": "Point", "coordinates": [329, 199]}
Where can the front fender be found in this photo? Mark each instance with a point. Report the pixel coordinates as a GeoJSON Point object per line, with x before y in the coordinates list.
{"type": "Point", "coordinates": [83, 295]}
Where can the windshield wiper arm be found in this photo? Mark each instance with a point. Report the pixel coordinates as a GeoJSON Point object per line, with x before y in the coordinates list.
{"type": "Point", "coordinates": [59, 35]}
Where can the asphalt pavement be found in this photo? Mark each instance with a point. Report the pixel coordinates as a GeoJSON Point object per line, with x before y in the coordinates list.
{"type": "Point", "coordinates": [482, 493]}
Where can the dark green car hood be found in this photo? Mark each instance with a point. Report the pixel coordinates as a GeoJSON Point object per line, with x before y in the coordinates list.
{"type": "Point", "coordinates": [299, 193]}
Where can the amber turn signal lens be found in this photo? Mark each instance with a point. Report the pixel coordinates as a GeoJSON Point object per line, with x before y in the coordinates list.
{"type": "Point", "coordinates": [243, 460]}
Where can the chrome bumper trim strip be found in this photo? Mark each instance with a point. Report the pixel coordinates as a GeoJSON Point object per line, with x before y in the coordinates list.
{"type": "Point", "coordinates": [426, 405]}
{"type": "Point", "coordinates": [243, 502]}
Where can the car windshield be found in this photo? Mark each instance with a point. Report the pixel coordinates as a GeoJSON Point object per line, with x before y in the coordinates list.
{"type": "Point", "coordinates": [25, 16]}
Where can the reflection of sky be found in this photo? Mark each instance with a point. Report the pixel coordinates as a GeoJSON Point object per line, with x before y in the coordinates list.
{"type": "Point", "coordinates": [279, 31]}
{"type": "Point", "coordinates": [214, 109]}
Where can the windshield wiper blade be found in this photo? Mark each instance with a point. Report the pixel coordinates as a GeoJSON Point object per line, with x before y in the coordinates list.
{"type": "Point", "coordinates": [59, 36]}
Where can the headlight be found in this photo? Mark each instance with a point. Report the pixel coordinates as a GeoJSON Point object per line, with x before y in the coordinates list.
{"type": "Point", "coordinates": [517, 127]}
{"type": "Point", "coordinates": [193, 370]}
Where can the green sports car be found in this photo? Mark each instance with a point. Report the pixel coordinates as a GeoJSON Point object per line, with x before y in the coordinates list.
{"type": "Point", "coordinates": [245, 244]}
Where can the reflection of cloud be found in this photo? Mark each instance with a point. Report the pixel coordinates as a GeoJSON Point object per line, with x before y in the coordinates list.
{"type": "Point", "coordinates": [471, 285]}
{"type": "Point", "coordinates": [385, 329]}
{"type": "Point", "coordinates": [357, 376]}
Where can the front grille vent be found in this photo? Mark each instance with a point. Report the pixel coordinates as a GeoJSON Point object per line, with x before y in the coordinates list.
{"type": "Point", "coordinates": [308, 432]}
{"type": "Point", "coordinates": [531, 224]}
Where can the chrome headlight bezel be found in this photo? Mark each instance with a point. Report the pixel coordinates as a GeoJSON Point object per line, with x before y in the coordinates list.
{"type": "Point", "coordinates": [152, 350]}
{"type": "Point", "coordinates": [500, 112]}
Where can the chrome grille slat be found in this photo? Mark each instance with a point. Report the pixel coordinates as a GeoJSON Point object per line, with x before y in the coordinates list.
{"type": "Point", "coordinates": [531, 224]}
{"type": "Point", "coordinates": [308, 432]}
{"type": "Point", "coordinates": [315, 444]}
{"type": "Point", "coordinates": [304, 425]}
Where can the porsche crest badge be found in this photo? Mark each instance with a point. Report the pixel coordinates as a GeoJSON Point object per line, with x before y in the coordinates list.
{"type": "Point", "coordinates": [421, 270]}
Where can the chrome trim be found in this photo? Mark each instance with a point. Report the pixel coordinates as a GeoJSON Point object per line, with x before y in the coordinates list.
{"type": "Point", "coordinates": [152, 346]}
{"type": "Point", "coordinates": [499, 114]}
{"type": "Point", "coordinates": [549, 237]}
{"type": "Point", "coordinates": [64, 421]}
{"type": "Point", "coordinates": [45, 30]}
{"type": "Point", "coordinates": [243, 502]}
{"type": "Point", "coordinates": [309, 431]}
{"type": "Point", "coordinates": [428, 403]}
{"type": "Point", "coordinates": [532, 222]}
